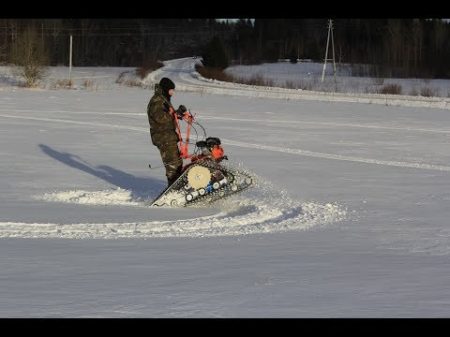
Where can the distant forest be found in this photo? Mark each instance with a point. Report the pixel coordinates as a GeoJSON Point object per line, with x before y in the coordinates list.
{"type": "Point", "coordinates": [394, 47]}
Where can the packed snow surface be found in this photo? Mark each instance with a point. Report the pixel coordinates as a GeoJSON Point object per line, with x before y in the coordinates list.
{"type": "Point", "coordinates": [348, 216]}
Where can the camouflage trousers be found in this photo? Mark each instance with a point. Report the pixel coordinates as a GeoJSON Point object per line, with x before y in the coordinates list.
{"type": "Point", "coordinates": [170, 156]}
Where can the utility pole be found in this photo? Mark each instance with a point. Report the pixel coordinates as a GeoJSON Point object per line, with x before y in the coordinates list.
{"type": "Point", "coordinates": [70, 59]}
{"type": "Point", "coordinates": [330, 33]}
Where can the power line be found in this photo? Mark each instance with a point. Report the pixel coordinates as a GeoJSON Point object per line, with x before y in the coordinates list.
{"type": "Point", "coordinates": [330, 32]}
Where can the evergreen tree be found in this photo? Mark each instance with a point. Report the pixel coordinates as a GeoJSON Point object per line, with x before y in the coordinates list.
{"type": "Point", "coordinates": [215, 55]}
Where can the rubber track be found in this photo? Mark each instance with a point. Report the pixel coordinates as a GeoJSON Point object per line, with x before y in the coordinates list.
{"type": "Point", "coordinates": [214, 196]}
{"type": "Point", "coordinates": [209, 197]}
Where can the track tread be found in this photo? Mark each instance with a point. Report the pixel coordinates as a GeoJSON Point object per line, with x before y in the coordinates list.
{"type": "Point", "coordinates": [221, 193]}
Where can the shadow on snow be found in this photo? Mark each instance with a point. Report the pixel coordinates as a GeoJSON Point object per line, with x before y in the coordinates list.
{"type": "Point", "coordinates": [139, 187]}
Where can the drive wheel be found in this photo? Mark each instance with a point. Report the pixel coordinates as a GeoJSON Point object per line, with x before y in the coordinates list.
{"type": "Point", "coordinates": [199, 177]}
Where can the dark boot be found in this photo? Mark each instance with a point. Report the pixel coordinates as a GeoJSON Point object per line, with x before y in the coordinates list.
{"type": "Point", "coordinates": [174, 176]}
{"type": "Point", "coordinates": [170, 181]}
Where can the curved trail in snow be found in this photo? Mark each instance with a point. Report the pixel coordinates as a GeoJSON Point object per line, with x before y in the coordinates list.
{"type": "Point", "coordinates": [263, 210]}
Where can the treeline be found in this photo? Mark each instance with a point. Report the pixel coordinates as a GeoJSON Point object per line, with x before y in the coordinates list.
{"type": "Point", "coordinates": [109, 42]}
{"type": "Point", "coordinates": [394, 47]}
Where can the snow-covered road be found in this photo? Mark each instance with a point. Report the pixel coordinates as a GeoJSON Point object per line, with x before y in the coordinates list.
{"type": "Point", "coordinates": [187, 79]}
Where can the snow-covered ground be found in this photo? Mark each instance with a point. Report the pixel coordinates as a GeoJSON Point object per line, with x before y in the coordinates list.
{"type": "Point", "coordinates": [349, 217]}
{"type": "Point", "coordinates": [308, 76]}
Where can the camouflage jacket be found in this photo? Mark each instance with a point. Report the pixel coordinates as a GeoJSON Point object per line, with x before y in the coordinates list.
{"type": "Point", "coordinates": [162, 125]}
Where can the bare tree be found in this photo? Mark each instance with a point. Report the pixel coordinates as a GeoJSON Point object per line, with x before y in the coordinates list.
{"type": "Point", "coordinates": [30, 57]}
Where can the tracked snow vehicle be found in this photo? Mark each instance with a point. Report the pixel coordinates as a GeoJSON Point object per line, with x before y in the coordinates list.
{"type": "Point", "coordinates": [205, 178]}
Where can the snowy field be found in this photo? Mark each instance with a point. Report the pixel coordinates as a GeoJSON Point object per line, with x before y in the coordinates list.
{"type": "Point", "coordinates": [349, 217]}
{"type": "Point", "coordinates": [308, 75]}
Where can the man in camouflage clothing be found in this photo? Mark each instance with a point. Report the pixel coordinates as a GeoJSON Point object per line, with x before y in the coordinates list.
{"type": "Point", "coordinates": [161, 116]}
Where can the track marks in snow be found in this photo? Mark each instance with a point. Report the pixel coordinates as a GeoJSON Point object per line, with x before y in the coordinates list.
{"type": "Point", "coordinates": [245, 120]}
{"type": "Point", "coordinates": [423, 166]}
{"type": "Point", "coordinates": [263, 209]}
{"type": "Point", "coordinates": [69, 121]}
{"type": "Point", "coordinates": [306, 153]}
{"type": "Point", "coordinates": [333, 125]}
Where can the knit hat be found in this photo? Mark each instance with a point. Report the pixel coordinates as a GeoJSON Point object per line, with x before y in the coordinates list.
{"type": "Point", "coordinates": [166, 84]}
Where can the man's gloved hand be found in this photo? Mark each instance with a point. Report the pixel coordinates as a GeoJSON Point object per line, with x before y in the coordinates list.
{"type": "Point", "coordinates": [180, 111]}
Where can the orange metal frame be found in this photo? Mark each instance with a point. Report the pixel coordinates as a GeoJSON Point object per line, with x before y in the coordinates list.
{"type": "Point", "coordinates": [183, 145]}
